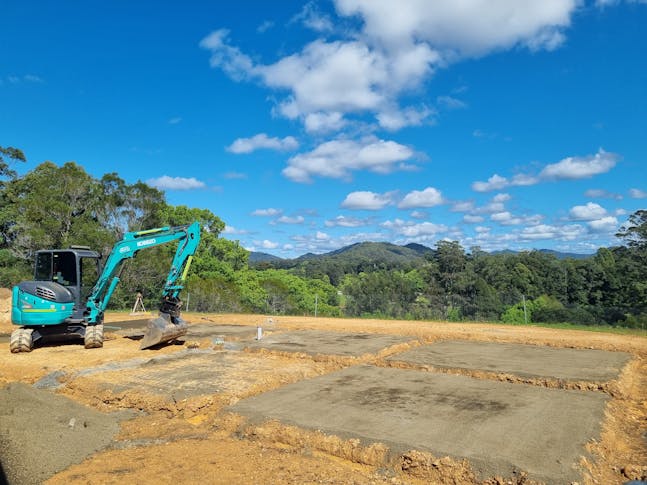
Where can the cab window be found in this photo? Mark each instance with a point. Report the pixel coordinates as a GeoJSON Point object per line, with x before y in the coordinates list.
{"type": "Point", "coordinates": [89, 275]}
{"type": "Point", "coordinates": [43, 267]}
{"type": "Point", "coordinates": [64, 269]}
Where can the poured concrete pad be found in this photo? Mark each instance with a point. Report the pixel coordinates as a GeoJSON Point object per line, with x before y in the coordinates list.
{"type": "Point", "coordinates": [497, 426]}
{"type": "Point", "coordinates": [315, 342]}
{"type": "Point", "coordinates": [519, 359]}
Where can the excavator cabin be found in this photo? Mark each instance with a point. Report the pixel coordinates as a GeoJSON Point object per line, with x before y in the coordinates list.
{"type": "Point", "coordinates": [76, 268]}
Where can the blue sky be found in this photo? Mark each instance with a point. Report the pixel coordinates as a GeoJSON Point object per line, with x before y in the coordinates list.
{"type": "Point", "coordinates": [307, 126]}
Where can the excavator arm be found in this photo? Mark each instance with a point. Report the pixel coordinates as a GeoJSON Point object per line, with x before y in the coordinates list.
{"type": "Point", "coordinates": [168, 325]}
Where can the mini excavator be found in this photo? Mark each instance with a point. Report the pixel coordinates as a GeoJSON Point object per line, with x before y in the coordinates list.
{"type": "Point", "coordinates": [71, 291]}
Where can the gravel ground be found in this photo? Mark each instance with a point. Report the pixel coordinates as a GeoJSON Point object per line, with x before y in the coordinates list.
{"type": "Point", "coordinates": [42, 433]}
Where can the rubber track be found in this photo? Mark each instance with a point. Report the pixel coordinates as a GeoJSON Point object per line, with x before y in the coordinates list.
{"type": "Point", "coordinates": [94, 337]}
{"type": "Point", "coordinates": [21, 340]}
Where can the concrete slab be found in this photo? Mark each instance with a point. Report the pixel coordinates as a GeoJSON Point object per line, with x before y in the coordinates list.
{"type": "Point", "coordinates": [497, 426]}
{"type": "Point", "coordinates": [315, 342]}
{"type": "Point", "coordinates": [519, 359]}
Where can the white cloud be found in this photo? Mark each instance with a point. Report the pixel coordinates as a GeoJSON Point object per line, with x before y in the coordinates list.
{"type": "Point", "coordinates": [470, 219]}
{"type": "Point", "coordinates": [176, 183]}
{"type": "Point", "coordinates": [428, 197]}
{"type": "Point", "coordinates": [637, 194]}
{"type": "Point", "coordinates": [606, 3]}
{"type": "Point", "coordinates": [478, 133]}
{"type": "Point", "coordinates": [232, 231]}
{"type": "Point", "coordinates": [587, 212]}
{"type": "Point", "coordinates": [323, 122]}
{"type": "Point", "coordinates": [462, 206]}
{"type": "Point", "coordinates": [269, 212]}
{"type": "Point", "coordinates": [496, 204]}
{"type": "Point", "coordinates": [175, 121]}
{"type": "Point", "coordinates": [234, 176]}
{"type": "Point", "coordinates": [495, 182]}
{"type": "Point", "coordinates": [230, 59]}
{"type": "Point", "coordinates": [501, 216]}
{"type": "Point", "coordinates": [256, 142]}
{"type": "Point", "coordinates": [413, 229]}
{"type": "Point", "coordinates": [602, 194]}
{"type": "Point", "coordinates": [27, 78]}
{"type": "Point", "coordinates": [267, 244]}
{"type": "Point", "coordinates": [570, 168]}
{"type": "Point", "coordinates": [290, 220]}
{"type": "Point", "coordinates": [471, 28]}
{"type": "Point", "coordinates": [544, 231]}
{"type": "Point", "coordinates": [363, 200]}
{"type": "Point", "coordinates": [337, 158]}
{"type": "Point", "coordinates": [265, 26]}
{"type": "Point", "coordinates": [344, 221]}
{"type": "Point", "coordinates": [506, 218]}
{"type": "Point", "coordinates": [32, 78]}
{"type": "Point", "coordinates": [394, 119]}
{"type": "Point", "coordinates": [604, 224]}
{"type": "Point", "coordinates": [312, 18]}
{"type": "Point", "coordinates": [399, 47]}
{"type": "Point", "coordinates": [329, 76]}
{"type": "Point", "coordinates": [573, 168]}
{"type": "Point", "coordinates": [449, 102]}
{"type": "Point", "coordinates": [320, 241]}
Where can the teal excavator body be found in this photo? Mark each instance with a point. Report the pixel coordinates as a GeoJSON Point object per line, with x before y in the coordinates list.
{"type": "Point", "coordinates": [71, 290]}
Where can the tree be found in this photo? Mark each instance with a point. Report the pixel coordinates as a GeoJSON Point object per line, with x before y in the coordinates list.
{"type": "Point", "coordinates": [52, 207]}
{"type": "Point", "coordinates": [634, 232]}
{"type": "Point", "coordinates": [13, 154]}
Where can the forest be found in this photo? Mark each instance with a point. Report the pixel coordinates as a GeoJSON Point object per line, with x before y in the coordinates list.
{"type": "Point", "coordinates": [54, 207]}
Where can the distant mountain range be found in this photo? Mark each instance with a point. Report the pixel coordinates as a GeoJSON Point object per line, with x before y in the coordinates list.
{"type": "Point", "coordinates": [383, 252]}
{"type": "Point", "coordinates": [557, 254]}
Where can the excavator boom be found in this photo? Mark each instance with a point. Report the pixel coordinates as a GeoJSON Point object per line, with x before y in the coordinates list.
{"type": "Point", "coordinates": [169, 325]}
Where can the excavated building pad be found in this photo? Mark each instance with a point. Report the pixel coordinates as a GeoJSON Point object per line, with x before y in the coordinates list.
{"type": "Point", "coordinates": [188, 374]}
{"type": "Point", "coordinates": [315, 342]}
{"type": "Point", "coordinates": [499, 427]}
{"type": "Point", "coordinates": [229, 332]}
{"type": "Point", "coordinates": [519, 359]}
{"type": "Point", "coordinates": [136, 328]}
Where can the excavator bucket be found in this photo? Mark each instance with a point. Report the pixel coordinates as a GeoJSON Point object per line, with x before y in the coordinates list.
{"type": "Point", "coordinates": [162, 329]}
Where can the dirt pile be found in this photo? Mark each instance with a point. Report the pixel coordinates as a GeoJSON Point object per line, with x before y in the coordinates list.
{"type": "Point", "coordinates": [5, 310]}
